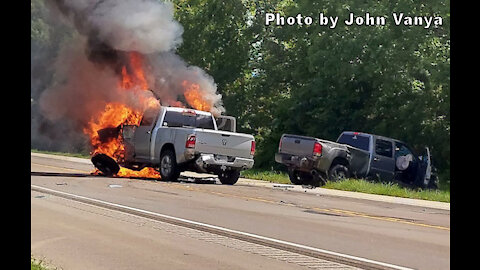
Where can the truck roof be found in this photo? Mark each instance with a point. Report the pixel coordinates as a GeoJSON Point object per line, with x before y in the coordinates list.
{"type": "Point", "coordinates": [180, 109]}
{"type": "Point", "coordinates": [373, 135]}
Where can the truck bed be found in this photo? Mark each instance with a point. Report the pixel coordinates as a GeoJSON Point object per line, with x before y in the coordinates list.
{"type": "Point", "coordinates": [223, 143]}
{"type": "Point", "coordinates": [296, 145]}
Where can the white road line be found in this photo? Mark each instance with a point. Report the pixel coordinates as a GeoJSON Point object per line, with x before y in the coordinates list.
{"type": "Point", "coordinates": [360, 259]}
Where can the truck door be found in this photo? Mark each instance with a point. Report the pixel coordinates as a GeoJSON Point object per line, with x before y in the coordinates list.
{"type": "Point", "coordinates": [143, 134]}
{"type": "Point", "coordinates": [383, 163]}
{"type": "Point", "coordinates": [425, 170]}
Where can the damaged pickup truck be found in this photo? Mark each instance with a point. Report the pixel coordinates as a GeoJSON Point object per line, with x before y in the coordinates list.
{"type": "Point", "coordinates": [354, 154]}
{"type": "Point", "coordinates": [173, 140]}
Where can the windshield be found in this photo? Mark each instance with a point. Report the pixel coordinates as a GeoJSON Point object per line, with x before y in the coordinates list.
{"type": "Point", "coordinates": [180, 119]}
{"type": "Point", "coordinates": [355, 140]}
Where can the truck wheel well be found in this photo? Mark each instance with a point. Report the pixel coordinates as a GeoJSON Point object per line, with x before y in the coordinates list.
{"type": "Point", "coordinates": [167, 146]}
{"type": "Point", "coordinates": [339, 160]}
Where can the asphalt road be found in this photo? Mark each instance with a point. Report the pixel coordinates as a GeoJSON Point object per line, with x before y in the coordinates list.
{"type": "Point", "coordinates": [81, 221]}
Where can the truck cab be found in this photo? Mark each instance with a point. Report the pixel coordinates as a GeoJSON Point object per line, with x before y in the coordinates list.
{"type": "Point", "coordinates": [173, 139]}
{"type": "Point", "coordinates": [391, 159]}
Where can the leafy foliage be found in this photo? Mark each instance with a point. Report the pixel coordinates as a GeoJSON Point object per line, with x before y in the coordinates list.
{"type": "Point", "coordinates": [312, 80]}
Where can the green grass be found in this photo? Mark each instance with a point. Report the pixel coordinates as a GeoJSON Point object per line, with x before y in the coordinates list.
{"type": "Point", "coordinates": [270, 176]}
{"type": "Point", "coordinates": [79, 155]}
{"type": "Point", "coordinates": [355, 185]}
{"type": "Point", "coordinates": [389, 189]}
{"type": "Point", "coordinates": [36, 265]}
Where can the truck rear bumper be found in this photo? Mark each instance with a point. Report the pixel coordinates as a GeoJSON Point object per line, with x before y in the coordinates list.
{"type": "Point", "coordinates": [207, 161]}
{"type": "Point", "coordinates": [297, 162]}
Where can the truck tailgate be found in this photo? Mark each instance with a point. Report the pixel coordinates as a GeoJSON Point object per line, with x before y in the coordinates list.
{"type": "Point", "coordinates": [223, 143]}
{"type": "Point", "coordinates": [297, 145]}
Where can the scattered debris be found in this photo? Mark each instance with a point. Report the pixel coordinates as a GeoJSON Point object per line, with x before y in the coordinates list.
{"type": "Point", "coordinates": [283, 186]}
{"type": "Point", "coordinates": [61, 184]}
{"type": "Point", "coordinates": [115, 186]}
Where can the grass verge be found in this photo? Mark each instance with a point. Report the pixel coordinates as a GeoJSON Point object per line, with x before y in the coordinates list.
{"type": "Point", "coordinates": [269, 176]}
{"type": "Point", "coordinates": [37, 265]}
{"type": "Point", "coordinates": [389, 189]}
{"type": "Point", "coordinates": [356, 185]}
{"type": "Point", "coordinates": [61, 153]}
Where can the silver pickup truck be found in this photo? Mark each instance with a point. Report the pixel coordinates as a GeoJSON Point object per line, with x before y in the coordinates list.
{"type": "Point", "coordinates": [173, 140]}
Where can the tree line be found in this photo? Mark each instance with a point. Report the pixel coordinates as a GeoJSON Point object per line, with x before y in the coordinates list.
{"type": "Point", "coordinates": [390, 80]}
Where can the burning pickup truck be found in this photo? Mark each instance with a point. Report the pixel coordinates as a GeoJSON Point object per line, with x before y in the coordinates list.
{"type": "Point", "coordinates": [354, 154]}
{"type": "Point", "coordinates": [172, 140]}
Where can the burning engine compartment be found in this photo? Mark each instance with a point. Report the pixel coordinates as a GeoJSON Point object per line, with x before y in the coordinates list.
{"type": "Point", "coordinates": [119, 62]}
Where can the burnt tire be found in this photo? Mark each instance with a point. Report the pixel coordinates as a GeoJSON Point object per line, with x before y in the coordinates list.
{"type": "Point", "coordinates": [229, 177]}
{"type": "Point", "coordinates": [107, 165]}
{"type": "Point", "coordinates": [168, 169]}
{"type": "Point", "coordinates": [338, 172]}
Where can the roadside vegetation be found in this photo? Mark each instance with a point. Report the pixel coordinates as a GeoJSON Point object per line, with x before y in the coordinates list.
{"type": "Point", "coordinates": [357, 185]}
{"type": "Point", "coordinates": [306, 80]}
{"type": "Point", "coordinates": [36, 265]}
{"type": "Point", "coordinates": [79, 155]}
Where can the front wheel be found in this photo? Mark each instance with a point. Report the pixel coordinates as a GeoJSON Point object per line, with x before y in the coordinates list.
{"type": "Point", "coordinates": [229, 177]}
{"type": "Point", "coordinates": [338, 172]}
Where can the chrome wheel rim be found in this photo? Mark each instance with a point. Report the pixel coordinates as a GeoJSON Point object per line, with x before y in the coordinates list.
{"type": "Point", "coordinates": [166, 165]}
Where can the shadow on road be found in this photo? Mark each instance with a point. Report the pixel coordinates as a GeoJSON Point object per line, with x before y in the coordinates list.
{"type": "Point", "coordinates": [181, 179]}
{"type": "Point", "coordinates": [63, 174]}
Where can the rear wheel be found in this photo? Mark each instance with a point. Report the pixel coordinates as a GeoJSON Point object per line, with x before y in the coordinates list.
{"type": "Point", "coordinates": [168, 166]}
{"type": "Point", "coordinates": [295, 177]}
{"type": "Point", "coordinates": [229, 177]}
{"type": "Point", "coordinates": [338, 172]}
{"type": "Point", "coordinates": [305, 178]}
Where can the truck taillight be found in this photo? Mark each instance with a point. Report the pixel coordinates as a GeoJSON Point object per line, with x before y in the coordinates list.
{"type": "Point", "coordinates": [279, 145]}
{"type": "Point", "coordinates": [317, 149]}
{"type": "Point", "coordinates": [190, 141]}
{"type": "Point", "coordinates": [252, 148]}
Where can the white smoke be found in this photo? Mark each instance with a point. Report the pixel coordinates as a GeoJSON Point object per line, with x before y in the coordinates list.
{"type": "Point", "coordinates": [145, 26]}
{"type": "Point", "coordinates": [87, 68]}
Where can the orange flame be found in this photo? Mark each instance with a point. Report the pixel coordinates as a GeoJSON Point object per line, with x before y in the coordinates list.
{"type": "Point", "coordinates": [115, 115]}
{"type": "Point", "coordinates": [194, 97]}
{"type": "Point", "coordinates": [137, 76]}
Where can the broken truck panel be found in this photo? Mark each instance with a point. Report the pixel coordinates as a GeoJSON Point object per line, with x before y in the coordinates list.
{"type": "Point", "coordinates": [226, 123]}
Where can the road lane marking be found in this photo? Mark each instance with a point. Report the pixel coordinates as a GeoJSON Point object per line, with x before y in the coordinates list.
{"type": "Point", "coordinates": [259, 199]}
{"type": "Point", "coordinates": [392, 219]}
{"type": "Point", "coordinates": [195, 224]}
{"type": "Point", "coordinates": [339, 211]}
{"type": "Point", "coordinates": [182, 231]}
